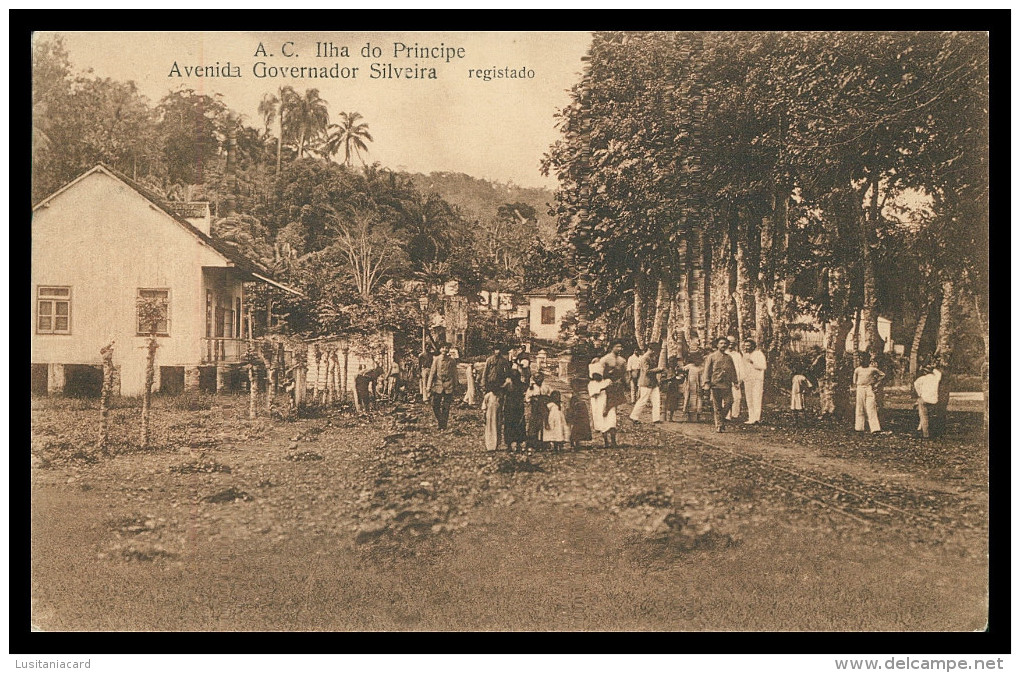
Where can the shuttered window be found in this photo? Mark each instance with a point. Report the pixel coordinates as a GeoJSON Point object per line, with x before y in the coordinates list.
{"type": "Point", "coordinates": [53, 313]}
{"type": "Point", "coordinates": [548, 315]}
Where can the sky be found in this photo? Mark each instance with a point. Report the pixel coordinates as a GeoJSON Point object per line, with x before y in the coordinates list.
{"type": "Point", "coordinates": [497, 129]}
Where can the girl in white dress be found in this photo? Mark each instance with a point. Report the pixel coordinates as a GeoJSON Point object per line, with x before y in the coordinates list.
{"type": "Point", "coordinates": [603, 420]}
{"type": "Point", "coordinates": [556, 430]}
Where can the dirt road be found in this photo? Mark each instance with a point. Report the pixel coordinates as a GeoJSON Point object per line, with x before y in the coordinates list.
{"type": "Point", "coordinates": [383, 523]}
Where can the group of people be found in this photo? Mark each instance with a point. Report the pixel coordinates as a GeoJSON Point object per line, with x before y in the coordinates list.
{"type": "Point", "coordinates": [722, 379]}
{"type": "Point", "coordinates": [522, 411]}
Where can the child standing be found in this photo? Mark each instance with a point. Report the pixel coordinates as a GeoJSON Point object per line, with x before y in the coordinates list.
{"type": "Point", "coordinates": [556, 430]}
{"type": "Point", "coordinates": [578, 420]}
{"type": "Point", "coordinates": [673, 387]}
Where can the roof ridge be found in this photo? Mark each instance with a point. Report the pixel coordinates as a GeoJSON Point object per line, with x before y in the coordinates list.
{"type": "Point", "coordinates": [159, 202]}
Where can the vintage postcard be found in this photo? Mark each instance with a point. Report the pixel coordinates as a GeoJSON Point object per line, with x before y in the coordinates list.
{"type": "Point", "coordinates": [509, 331]}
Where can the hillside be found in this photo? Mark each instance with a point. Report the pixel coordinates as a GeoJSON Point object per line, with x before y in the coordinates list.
{"type": "Point", "coordinates": [478, 198]}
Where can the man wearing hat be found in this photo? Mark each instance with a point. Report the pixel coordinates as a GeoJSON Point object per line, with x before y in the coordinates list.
{"type": "Point", "coordinates": [494, 375]}
{"type": "Point", "coordinates": [441, 383]}
{"type": "Point", "coordinates": [720, 378]}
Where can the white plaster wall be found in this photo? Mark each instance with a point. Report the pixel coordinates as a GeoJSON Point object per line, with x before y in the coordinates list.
{"type": "Point", "coordinates": [106, 241]}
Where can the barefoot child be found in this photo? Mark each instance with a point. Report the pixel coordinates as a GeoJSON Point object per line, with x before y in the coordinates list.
{"type": "Point", "coordinates": [556, 430]}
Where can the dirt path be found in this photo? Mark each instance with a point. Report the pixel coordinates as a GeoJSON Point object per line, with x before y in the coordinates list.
{"type": "Point", "coordinates": [768, 445]}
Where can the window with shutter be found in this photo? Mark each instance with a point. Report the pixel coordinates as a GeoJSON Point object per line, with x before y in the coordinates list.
{"type": "Point", "coordinates": [53, 310]}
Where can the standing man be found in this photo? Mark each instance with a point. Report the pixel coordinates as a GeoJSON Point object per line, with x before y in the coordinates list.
{"type": "Point", "coordinates": [614, 368]}
{"type": "Point", "coordinates": [927, 389]}
{"type": "Point", "coordinates": [648, 386]}
{"type": "Point", "coordinates": [441, 383]}
{"type": "Point", "coordinates": [720, 379]}
{"type": "Point", "coordinates": [494, 376]}
{"type": "Point", "coordinates": [754, 380]}
{"type": "Point", "coordinates": [633, 373]}
{"type": "Point", "coordinates": [866, 379]}
{"type": "Point", "coordinates": [738, 364]}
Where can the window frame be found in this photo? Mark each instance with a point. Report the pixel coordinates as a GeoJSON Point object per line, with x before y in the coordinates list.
{"type": "Point", "coordinates": [169, 298]}
{"type": "Point", "coordinates": [52, 315]}
{"type": "Point", "coordinates": [552, 315]}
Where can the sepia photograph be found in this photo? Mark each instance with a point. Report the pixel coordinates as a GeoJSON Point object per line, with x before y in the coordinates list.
{"type": "Point", "coordinates": [510, 331]}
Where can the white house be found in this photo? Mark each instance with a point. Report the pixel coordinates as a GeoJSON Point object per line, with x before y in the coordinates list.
{"type": "Point", "coordinates": [548, 306]}
{"type": "Point", "coordinates": [99, 244]}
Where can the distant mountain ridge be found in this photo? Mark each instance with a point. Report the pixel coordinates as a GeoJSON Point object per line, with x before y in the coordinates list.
{"type": "Point", "coordinates": [479, 198]}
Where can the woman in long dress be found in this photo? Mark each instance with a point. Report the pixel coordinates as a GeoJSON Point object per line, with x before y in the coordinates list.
{"type": "Point", "coordinates": [603, 417]}
{"type": "Point", "coordinates": [535, 411]}
{"type": "Point", "coordinates": [514, 429]}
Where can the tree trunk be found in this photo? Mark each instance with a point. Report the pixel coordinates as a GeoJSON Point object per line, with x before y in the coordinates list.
{"type": "Point", "coordinates": [947, 323]}
{"type": "Point", "coordinates": [722, 282]}
{"type": "Point", "coordinates": [915, 345]}
{"type": "Point", "coordinates": [984, 364]}
{"type": "Point", "coordinates": [856, 339]}
{"type": "Point", "coordinates": [664, 297]}
{"type": "Point", "coordinates": [869, 308]}
{"type": "Point", "coordinates": [661, 314]}
{"type": "Point", "coordinates": [676, 341]}
{"type": "Point", "coordinates": [776, 333]}
{"type": "Point", "coordinates": [742, 294]}
{"type": "Point", "coordinates": [680, 315]}
{"type": "Point", "coordinates": [150, 375]}
{"type": "Point", "coordinates": [639, 314]}
{"type": "Point", "coordinates": [944, 354]}
{"type": "Point", "coordinates": [104, 399]}
{"type": "Point", "coordinates": [829, 388]}
{"type": "Point", "coordinates": [279, 138]}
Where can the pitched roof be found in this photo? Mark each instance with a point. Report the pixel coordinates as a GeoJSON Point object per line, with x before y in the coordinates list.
{"type": "Point", "coordinates": [566, 287]}
{"type": "Point", "coordinates": [224, 249]}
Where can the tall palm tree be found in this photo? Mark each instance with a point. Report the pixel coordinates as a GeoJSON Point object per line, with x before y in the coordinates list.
{"type": "Point", "coordinates": [350, 134]}
{"type": "Point", "coordinates": [271, 110]}
{"type": "Point", "coordinates": [305, 117]}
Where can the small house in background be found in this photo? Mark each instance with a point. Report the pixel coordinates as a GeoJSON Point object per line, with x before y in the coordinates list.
{"type": "Point", "coordinates": [548, 306]}
{"type": "Point", "coordinates": [99, 245]}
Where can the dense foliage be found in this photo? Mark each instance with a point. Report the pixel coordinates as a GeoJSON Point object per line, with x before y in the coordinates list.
{"type": "Point", "coordinates": [362, 243]}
